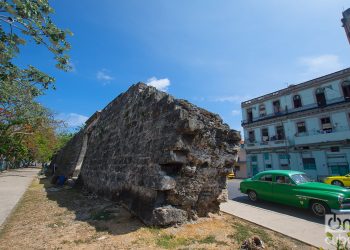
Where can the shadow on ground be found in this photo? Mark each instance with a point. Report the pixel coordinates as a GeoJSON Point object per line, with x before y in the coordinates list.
{"type": "Point", "coordinates": [104, 215]}
{"type": "Point", "coordinates": [280, 208]}
{"type": "Point", "coordinates": [236, 195]}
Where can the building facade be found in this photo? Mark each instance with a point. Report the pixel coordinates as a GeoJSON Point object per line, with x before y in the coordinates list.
{"type": "Point", "coordinates": [346, 23]}
{"type": "Point", "coordinates": [241, 166]}
{"type": "Point", "coordinates": [303, 127]}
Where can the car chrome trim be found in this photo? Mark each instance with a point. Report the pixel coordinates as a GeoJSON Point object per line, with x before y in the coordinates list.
{"type": "Point", "coordinates": [340, 211]}
{"type": "Point", "coordinates": [310, 197]}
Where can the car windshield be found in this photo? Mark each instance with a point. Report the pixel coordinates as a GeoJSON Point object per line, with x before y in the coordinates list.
{"type": "Point", "coordinates": [300, 178]}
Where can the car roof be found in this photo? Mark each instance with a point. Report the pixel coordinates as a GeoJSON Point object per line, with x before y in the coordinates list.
{"type": "Point", "coordinates": [284, 172]}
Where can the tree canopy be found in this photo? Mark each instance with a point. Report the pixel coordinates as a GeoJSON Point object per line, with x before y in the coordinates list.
{"type": "Point", "coordinates": [27, 128]}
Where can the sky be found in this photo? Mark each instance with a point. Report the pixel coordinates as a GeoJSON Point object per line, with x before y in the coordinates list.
{"type": "Point", "coordinates": [214, 54]}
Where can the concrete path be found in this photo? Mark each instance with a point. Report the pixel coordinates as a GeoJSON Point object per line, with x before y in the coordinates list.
{"type": "Point", "coordinates": [306, 231]}
{"type": "Point", "coordinates": [13, 184]}
{"type": "Point", "coordinates": [293, 222]}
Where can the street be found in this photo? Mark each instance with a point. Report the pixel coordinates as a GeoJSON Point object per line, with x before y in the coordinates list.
{"type": "Point", "coordinates": [297, 223]}
{"type": "Point", "coordinates": [13, 184]}
{"type": "Point", "coordinates": [235, 195]}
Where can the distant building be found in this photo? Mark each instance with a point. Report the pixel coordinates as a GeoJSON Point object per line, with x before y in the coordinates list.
{"type": "Point", "coordinates": [241, 166]}
{"type": "Point", "coordinates": [303, 127]}
{"type": "Point", "coordinates": [346, 23]}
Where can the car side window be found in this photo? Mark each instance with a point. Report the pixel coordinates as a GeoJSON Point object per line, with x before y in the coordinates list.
{"type": "Point", "coordinates": [267, 177]}
{"type": "Point", "coordinates": [282, 179]}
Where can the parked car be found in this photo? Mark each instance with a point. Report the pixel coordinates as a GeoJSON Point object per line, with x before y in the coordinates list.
{"type": "Point", "coordinates": [231, 175]}
{"type": "Point", "coordinates": [338, 180]}
{"type": "Point", "coordinates": [294, 188]}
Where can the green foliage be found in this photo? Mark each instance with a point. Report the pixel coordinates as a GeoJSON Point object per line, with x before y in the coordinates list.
{"type": "Point", "coordinates": [62, 139]}
{"type": "Point", "coordinates": [23, 19]}
{"type": "Point", "coordinates": [243, 232]}
{"type": "Point", "coordinates": [171, 242]}
{"type": "Point", "coordinates": [26, 127]}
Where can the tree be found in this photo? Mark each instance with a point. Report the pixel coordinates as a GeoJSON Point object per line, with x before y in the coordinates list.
{"type": "Point", "coordinates": [21, 116]}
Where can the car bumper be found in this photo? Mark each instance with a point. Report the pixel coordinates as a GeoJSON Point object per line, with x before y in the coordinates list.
{"type": "Point", "coordinates": [340, 211]}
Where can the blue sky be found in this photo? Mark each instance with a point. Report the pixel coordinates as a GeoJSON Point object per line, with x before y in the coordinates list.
{"type": "Point", "coordinates": [213, 53]}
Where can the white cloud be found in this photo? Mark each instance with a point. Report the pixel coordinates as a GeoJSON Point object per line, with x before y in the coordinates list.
{"type": "Point", "coordinates": [316, 66]}
{"type": "Point", "coordinates": [104, 76]}
{"type": "Point", "coordinates": [236, 112]}
{"type": "Point", "coordinates": [161, 84]}
{"type": "Point", "coordinates": [72, 119]}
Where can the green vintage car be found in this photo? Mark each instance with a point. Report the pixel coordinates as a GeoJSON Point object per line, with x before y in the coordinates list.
{"type": "Point", "coordinates": [294, 188]}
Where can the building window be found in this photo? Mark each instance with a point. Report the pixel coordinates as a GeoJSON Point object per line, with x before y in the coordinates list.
{"type": "Point", "coordinates": [339, 169]}
{"type": "Point", "coordinates": [320, 97]}
{"type": "Point", "coordinates": [251, 136]}
{"type": "Point", "coordinates": [283, 156]}
{"type": "Point", "coordinates": [301, 127]}
{"type": "Point", "coordinates": [268, 166]}
{"type": "Point", "coordinates": [309, 163]}
{"type": "Point", "coordinates": [335, 149]}
{"type": "Point", "coordinates": [280, 133]}
{"type": "Point", "coordinates": [249, 115]}
{"type": "Point", "coordinates": [254, 158]}
{"type": "Point", "coordinates": [262, 110]}
{"type": "Point", "coordinates": [266, 156]}
{"type": "Point", "coordinates": [297, 101]}
{"type": "Point", "coordinates": [277, 107]}
{"type": "Point", "coordinates": [264, 134]}
{"type": "Point", "coordinates": [346, 90]}
{"type": "Point", "coordinates": [326, 125]}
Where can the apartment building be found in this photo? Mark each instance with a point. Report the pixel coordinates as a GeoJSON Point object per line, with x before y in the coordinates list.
{"type": "Point", "coordinates": [240, 167]}
{"type": "Point", "coordinates": [303, 127]}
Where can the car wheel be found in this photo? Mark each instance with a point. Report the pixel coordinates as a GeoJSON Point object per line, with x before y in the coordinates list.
{"type": "Point", "coordinates": [320, 208]}
{"type": "Point", "coordinates": [252, 195]}
{"type": "Point", "coordinates": [337, 183]}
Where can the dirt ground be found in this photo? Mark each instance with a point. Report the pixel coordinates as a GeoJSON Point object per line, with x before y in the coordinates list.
{"type": "Point", "coordinates": [49, 218]}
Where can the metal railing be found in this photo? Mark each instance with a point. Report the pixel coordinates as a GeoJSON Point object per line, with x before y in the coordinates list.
{"type": "Point", "coordinates": [289, 111]}
{"type": "Point", "coordinates": [320, 132]}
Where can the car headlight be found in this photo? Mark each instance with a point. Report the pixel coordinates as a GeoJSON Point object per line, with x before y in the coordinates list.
{"type": "Point", "coordinates": [340, 199]}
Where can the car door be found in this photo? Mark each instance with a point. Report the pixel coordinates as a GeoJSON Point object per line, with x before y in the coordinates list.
{"type": "Point", "coordinates": [264, 187]}
{"type": "Point", "coordinates": [346, 180]}
{"type": "Point", "coordinates": [284, 190]}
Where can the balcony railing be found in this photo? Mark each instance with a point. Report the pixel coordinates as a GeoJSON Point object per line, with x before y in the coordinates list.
{"type": "Point", "coordinates": [263, 144]}
{"type": "Point", "coordinates": [322, 132]}
{"type": "Point", "coordinates": [294, 110]}
{"type": "Point", "coordinates": [319, 136]}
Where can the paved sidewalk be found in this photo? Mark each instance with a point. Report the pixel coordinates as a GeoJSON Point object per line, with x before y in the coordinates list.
{"type": "Point", "coordinates": [13, 184]}
{"type": "Point", "coordinates": [301, 229]}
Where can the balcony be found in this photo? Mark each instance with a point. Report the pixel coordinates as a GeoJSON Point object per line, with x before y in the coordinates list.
{"type": "Point", "coordinates": [319, 136]}
{"type": "Point", "coordinates": [294, 110]}
{"type": "Point", "coordinates": [266, 144]}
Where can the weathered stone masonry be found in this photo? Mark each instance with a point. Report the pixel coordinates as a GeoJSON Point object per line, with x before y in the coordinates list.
{"type": "Point", "coordinates": [164, 158]}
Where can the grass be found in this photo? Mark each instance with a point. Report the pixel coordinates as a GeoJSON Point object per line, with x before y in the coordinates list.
{"type": "Point", "coordinates": [210, 239]}
{"type": "Point", "coordinates": [167, 241]}
{"type": "Point", "coordinates": [56, 224]}
{"type": "Point", "coordinates": [172, 242]}
{"type": "Point", "coordinates": [243, 232]}
{"type": "Point", "coordinates": [102, 215]}
{"type": "Point", "coordinates": [66, 219]}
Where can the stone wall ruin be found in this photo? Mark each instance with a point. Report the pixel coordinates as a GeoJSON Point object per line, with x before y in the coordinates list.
{"type": "Point", "coordinates": [164, 158]}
